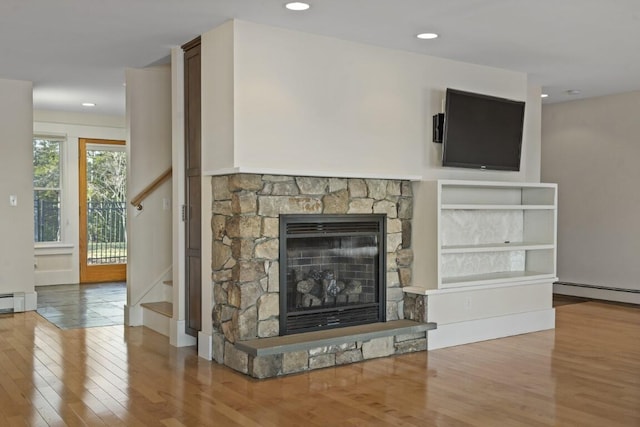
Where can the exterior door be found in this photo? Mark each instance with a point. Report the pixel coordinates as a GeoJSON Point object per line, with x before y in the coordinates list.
{"type": "Point", "coordinates": [103, 213]}
{"type": "Point", "coordinates": [193, 282]}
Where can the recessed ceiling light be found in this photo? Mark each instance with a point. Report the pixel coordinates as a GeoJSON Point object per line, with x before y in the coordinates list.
{"type": "Point", "coordinates": [573, 92]}
{"type": "Point", "coordinates": [88, 104]}
{"type": "Point", "coordinates": [297, 6]}
{"type": "Point", "coordinates": [544, 95]}
{"type": "Point", "coordinates": [427, 36]}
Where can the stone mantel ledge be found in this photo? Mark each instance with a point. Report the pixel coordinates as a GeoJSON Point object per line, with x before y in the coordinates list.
{"type": "Point", "coordinates": [322, 174]}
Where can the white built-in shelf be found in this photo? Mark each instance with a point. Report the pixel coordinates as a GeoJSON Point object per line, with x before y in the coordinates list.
{"type": "Point", "coordinates": [472, 206]}
{"type": "Point", "coordinates": [496, 247]}
{"type": "Point", "coordinates": [491, 278]}
{"type": "Point", "coordinates": [490, 233]}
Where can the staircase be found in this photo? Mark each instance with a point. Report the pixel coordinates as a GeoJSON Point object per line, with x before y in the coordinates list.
{"type": "Point", "coordinates": [157, 315]}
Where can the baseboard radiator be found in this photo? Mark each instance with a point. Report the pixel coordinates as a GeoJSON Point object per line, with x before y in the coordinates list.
{"type": "Point", "coordinates": [603, 288]}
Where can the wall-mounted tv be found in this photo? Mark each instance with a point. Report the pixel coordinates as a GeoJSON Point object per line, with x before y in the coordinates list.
{"type": "Point", "coordinates": [481, 131]}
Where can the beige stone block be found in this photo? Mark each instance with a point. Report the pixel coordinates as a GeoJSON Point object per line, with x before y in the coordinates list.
{"type": "Point", "coordinates": [336, 203]}
{"type": "Point", "coordinates": [357, 188]}
{"type": "Point", "coordinates": [360, 206]}
{"type": "Point", "coordinates": [270, 227]}
{"type": "Point", "coordinates": [378, 347]}
{"type": "Point", "coordinates": [394, 241]}
{"type": "Point", "coordinates": [337, 184]}
{"type": "Point", "coordinates": [395, 294]}
{"type": "Point", "coordinates": [405, 276]}
{"type": "Point", "coordinates": [244, 203]}
{"type": "Point", "coordinates": [274, 277]}
{"type": "Point", "coordinates": [276, 178]}
{"type": "Point", "coordinates": [376, 188]}
{"type": "Point", "coordinates": [242, 249]}
{"type": "Point", "coordinates": [405, 208]}
{"type": "Point", "coordinates": [411, 346]}
{"type": "Point", "coordinates": [406, 188]}
{"type": "Point", "coordinates": [220, 188]}
{"type": "Point", "coordinates": [392, 311]}
{"type": "Point", "coordinates": [346, 357]}
{"type": "Point", "coordinates": [322, 361]}
{"type": "Point", "coordinates": [404, 257]}
{"type": "Point", "coordinates": [394, 188]}
{"type": "Point", "coordinates": [285, 189]}
{"type": "Point", "coordinates": [268, 328]}
{"type": "Point", "coordinates": [236, 359]}
{"type": "Point", "coordinates": [221, 275]}
{"type": "Point", "coordinates": [218, 226]}
{"type": "Point", "coordinates": [243, 181]}
{"type": "Point", "coordinates": [265, 366]}
{"type": "Point", "coordinates": [272, 206]}
{"type": "Point", "coordinates": [313, 186]}
{"type": "Point", "coordinates": [220, 254]}
{"type": "Point", "coordinates": [221, 207]}
{"type": "Point", "coordinates": [268, 306]}
{"type": "Point", "coordinates": [249, 294]}
{"type": "Point", "coordinates": [247, 323]}
{"type": "Point", "coordinates": [218, 347]}
{"type": "Point", "coordinates": [394, 225]}
{"type": "Point", "coordinates": [393, 279]}
{"type": "Point", "coordinates": [267, 249]}
{"type": "Point", "coordinates": [295, 361]}
{"type": "Point", "coordinates": [385, 207]}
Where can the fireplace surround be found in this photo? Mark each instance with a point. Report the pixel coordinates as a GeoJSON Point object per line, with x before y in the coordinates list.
{"type": "Point", "coordinates": [245, 222]}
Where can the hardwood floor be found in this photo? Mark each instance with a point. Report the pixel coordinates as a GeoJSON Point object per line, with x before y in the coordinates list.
{"type": "Point", "coordinates": [585, 373]}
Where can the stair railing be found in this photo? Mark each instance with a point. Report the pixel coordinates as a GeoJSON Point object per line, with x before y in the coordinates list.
{"type": "Point", "coordinates": [137, 201]}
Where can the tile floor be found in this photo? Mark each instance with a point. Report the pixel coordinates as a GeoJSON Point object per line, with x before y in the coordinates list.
{"type": "Point", "coordinates": [83, 306]}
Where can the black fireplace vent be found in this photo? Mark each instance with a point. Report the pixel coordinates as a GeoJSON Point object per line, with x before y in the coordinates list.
{"type": "Point", "coordinates": [296, 228]}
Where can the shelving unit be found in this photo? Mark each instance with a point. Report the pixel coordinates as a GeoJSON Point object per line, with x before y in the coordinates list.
{"type": "Point", "coordinates": [485, 258]}
{"type": "Point", "coordinates": [494, 232]}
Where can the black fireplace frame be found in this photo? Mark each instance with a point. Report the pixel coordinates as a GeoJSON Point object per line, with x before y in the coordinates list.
{"type": "Point", "coordinates": [333, 225]}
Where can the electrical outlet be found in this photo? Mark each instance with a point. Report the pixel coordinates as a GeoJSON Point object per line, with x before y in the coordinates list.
{"type": "Point", "coordinates": [13, 200]}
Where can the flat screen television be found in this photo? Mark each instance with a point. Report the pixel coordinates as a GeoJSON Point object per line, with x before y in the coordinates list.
{"type": "Point", "coordinates": [481, 131]}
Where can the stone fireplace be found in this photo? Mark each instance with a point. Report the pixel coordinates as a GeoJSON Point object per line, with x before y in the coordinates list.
{"type": "Point", "coordinates": [246, 273]}
{"type": "Point", "coordinates": [331, 271]}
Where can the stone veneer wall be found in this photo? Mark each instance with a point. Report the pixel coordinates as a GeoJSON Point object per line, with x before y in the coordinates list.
{"type": "Point", "coordinates": [245, 270]}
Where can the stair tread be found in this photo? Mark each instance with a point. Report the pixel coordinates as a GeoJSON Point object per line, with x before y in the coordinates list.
{"type": "Point", "coordinates": [161, 307]}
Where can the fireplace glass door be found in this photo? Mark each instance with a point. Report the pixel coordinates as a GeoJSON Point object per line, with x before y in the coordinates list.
{"type": "Point", "coordinates": [331, 271]}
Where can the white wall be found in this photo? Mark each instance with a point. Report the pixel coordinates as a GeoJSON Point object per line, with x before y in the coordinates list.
{"type": "Point", "coordinates": [149, 148]}
{"type": "Point", "coordinates": [590, 148]}
{"type": "Point", "coordinates": [309, 104]}
{"type": "Point", "coordinates": [59, 263]}
{"type": "Point", "coordinates": [16, 178]}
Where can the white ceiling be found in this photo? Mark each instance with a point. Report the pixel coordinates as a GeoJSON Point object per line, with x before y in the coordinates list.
{"type": "Point", "coordinates": [76, 51]}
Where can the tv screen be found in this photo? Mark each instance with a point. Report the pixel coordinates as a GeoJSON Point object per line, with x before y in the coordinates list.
{"type": "Point", "coordinates": [482, 132]}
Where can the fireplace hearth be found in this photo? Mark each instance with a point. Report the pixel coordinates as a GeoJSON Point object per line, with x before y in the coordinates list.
{"type": "Point", "coordinates": [332, 271]}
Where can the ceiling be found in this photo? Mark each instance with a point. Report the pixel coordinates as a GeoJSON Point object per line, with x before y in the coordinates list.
{"type": "Point", "coordinates": [76, 51]}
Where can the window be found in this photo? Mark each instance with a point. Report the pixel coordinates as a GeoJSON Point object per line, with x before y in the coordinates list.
{"type": "Point", "coordinates": [47, 188]}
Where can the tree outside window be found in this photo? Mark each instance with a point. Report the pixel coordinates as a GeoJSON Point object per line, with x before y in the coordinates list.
{"type": "Point", "coordinates": [47, 189]}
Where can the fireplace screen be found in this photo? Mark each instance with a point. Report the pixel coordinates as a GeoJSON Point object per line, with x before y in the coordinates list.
{"type": "Point", "coordinates": [331, 271]}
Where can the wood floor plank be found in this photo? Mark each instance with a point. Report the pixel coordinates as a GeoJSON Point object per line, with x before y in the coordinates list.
{"type": "Point", "coordinates": [584, 373]}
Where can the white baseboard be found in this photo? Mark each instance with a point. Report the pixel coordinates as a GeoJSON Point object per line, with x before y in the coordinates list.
{"type": "Point", "coordinates": [177, 336]}
{"type": "Point", "coordinates": [20, 302]}
{"type": "Point", "coordinates": [156, 321]}
{"type": "Point", "coordinates": [205, 346]}
{"type": "Point", "coordinates": [491, 328]}
{"type": "Point", "coordinates": [596, 293]}
{"type": "Point", "coordinates": [133, 315]}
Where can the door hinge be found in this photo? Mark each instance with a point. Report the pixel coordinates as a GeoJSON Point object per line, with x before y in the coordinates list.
{"type": "Point", "coordinates": [184, 212]}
